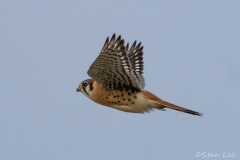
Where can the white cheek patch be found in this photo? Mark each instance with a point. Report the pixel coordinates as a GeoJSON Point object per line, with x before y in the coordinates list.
{"type": "Point", "coordinates": [87, 92]}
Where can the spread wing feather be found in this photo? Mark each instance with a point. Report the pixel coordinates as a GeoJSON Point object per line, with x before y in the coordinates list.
{"type": "Point", "coordinates": [118, 67]}
{"type": "Point", "coordinates": [135, 55]}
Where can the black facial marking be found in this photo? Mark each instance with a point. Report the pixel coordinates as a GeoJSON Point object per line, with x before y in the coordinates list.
{"type": "Point", "coordinates": [91, 86]}
{"type": "Point", "coordinates": [85, 90]}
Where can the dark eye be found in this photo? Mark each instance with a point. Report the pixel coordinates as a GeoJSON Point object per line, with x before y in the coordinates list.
{"type": "Point", "coordinates": [84, 84]}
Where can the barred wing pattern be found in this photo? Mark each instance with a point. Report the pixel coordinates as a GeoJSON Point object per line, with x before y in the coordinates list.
{"type": "Point", "coordinates": [117, 67]}
{"type": "Point", "coordinates": [135, 54]}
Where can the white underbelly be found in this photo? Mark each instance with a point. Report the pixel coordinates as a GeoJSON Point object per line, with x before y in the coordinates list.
{"type": "Point", "coordinates": [141, 105]}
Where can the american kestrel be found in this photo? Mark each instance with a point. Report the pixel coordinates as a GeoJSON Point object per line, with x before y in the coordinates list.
{"type": "Point", "coordinates": [118, 80]}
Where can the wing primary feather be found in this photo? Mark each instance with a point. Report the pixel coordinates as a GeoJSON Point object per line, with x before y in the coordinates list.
{"type": "Point", "coordinates": [139, 44]}
{"type": "Point", "coordinates": [133, 46]}
{"type": "Point", "coordinates": [113, 40]}
{"type": "Point", "coordinates": [118, 43]}
{"type": "Point", "coordinates": [105, 44]}
{"type": "Point", "coordinates": [126, 49]}
{"type": "Point", "coordinates": [121, 44]}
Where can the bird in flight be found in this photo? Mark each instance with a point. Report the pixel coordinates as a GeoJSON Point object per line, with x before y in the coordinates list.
{"type": "Point", "coordinates": [118, 82]}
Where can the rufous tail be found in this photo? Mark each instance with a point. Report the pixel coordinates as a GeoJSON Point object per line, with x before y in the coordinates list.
{"type": "Point", "coordinates": [178, 108]}
{"type": "Point", "coordinates": [163, 104]}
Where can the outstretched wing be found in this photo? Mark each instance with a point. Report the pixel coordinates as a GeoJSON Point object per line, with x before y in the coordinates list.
{"type": "Point", "coordinates": [135, 54]}
{"type": "Point", "coordinates": [113, 69]}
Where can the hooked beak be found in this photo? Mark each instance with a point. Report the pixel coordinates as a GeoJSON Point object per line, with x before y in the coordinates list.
{"type": "Point", "coordinates": [78, 90]}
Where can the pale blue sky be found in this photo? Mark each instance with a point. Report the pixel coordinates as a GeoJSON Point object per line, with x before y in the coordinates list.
{"type": "Point", "coordinates": [191, 57]}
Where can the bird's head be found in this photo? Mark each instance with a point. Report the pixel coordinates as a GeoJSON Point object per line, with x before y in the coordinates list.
{"type": "Point", "coordinates": [86, 87]}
